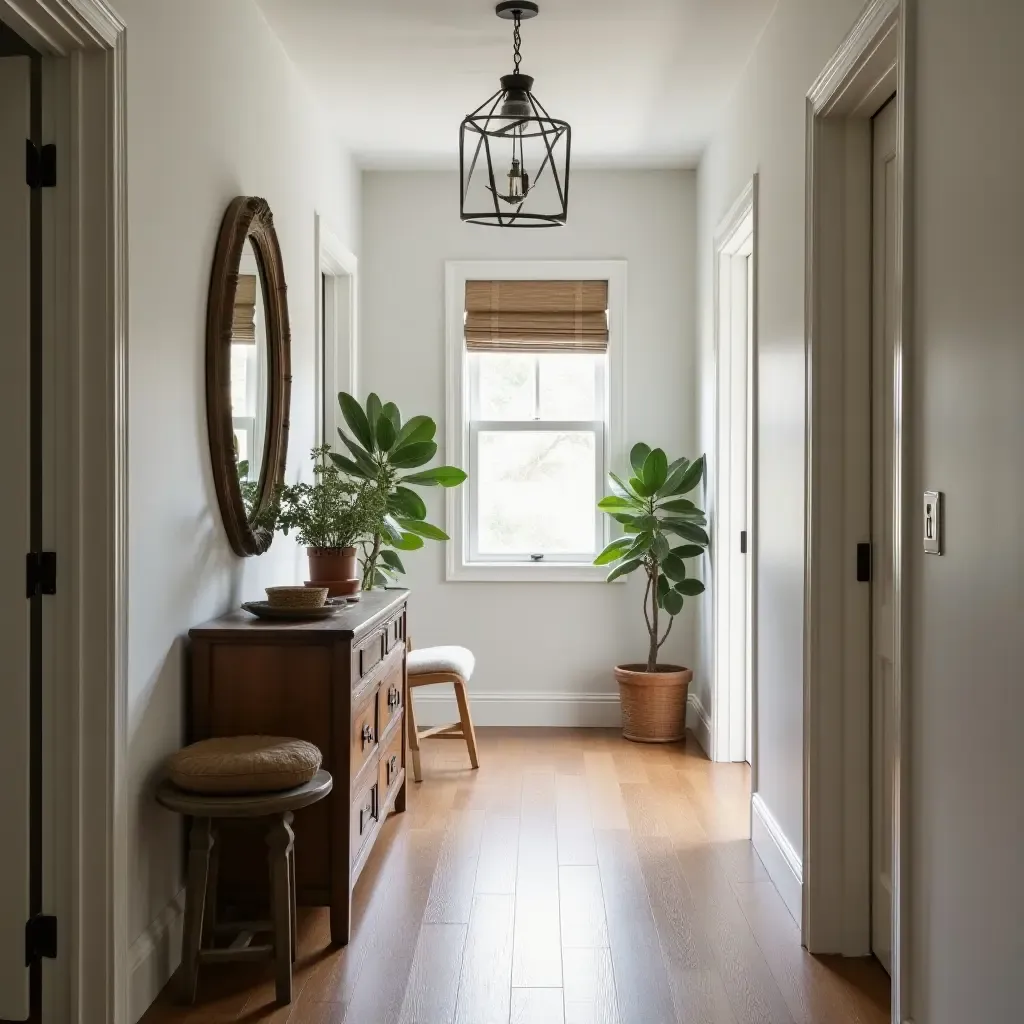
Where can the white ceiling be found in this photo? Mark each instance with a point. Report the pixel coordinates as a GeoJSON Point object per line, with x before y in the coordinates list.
{"type": "Point", "coordinates": [640, 81]}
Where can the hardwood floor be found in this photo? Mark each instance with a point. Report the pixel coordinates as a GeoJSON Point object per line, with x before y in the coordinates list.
{"type": "Point", "coordinates": [576, 878]}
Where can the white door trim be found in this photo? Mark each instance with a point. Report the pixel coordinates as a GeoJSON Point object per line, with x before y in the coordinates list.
{"type": "Point", "coordinates": [337, 316]}
{"type": "Point", "coordinates": [83, 46]}
{"type": "Point", "coordinates": [870, 65]}
{"type": "Point", "coordinates": [728, 693]}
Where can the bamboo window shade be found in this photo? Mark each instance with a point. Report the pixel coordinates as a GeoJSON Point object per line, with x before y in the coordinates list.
{"type": "Point", "coordinates": [537, 316]}
{"type": "Point", "coordinates": [243, 318]}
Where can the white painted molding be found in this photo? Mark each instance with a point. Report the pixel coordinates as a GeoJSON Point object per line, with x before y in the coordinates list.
{"type": "Point", "coordinates": [698, 721]}
{"type": "Point", "coordinates": [436, 706]}
{"type": "Point", "coordinates": [780, 858]}
{"type": "Point", "coordinates": [154, 956]}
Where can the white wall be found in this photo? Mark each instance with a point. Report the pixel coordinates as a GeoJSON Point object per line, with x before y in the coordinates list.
{"type": "Point", "coordinates": [762, 129]}
{"type": "Point", "coordinates": [559, 638]}
{"type": "Point", "coordinates": [215, 109]}
{"type": "Point", "coordinates": [966, 367]}
{"type": "Point", "coordinates": [967, 421]}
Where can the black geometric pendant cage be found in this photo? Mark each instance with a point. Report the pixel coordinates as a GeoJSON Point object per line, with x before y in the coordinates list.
{"type": "Point", "coordinates": [513, 155]}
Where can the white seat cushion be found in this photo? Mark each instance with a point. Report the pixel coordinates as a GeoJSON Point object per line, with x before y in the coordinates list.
{"type": "Point", "coordinates": [457, 660]}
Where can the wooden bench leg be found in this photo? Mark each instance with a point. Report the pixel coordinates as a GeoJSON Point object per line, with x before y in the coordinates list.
{"type": "Point", "coordinates": [467, 722]}
{"type": "Point", "coordinates": [200, 844]}
{"type": "Point", "coordinates": [280, 839]}
{"type": "Point", "coordinates": [292, 904]}
{"type": "Point", "coordinates": [414, 739]}
{"type": "Point", "coordinates": [212, 878]}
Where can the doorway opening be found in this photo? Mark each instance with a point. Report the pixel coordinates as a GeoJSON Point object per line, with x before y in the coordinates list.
{"type": "Point", "coordinates": [733, 735]}
{"type": "Point", "coordinates": [856, 896]}
{"type": "Point", "coordinates": [336, 302]}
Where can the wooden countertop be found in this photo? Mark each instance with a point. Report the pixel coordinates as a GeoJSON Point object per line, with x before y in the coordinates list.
{"type": "Point", "coordinates": [359, 617]}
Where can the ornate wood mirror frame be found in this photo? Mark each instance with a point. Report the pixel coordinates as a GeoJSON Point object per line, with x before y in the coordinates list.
{"type": "Point", "coordinates": [247, 218]}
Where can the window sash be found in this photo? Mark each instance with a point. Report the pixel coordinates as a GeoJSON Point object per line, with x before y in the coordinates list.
{"type": "Point", "coordinates": [596, 427]}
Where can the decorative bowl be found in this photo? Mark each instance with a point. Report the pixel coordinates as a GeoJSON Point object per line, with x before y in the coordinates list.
{"type": "Point", "coordinates": [296, 597]}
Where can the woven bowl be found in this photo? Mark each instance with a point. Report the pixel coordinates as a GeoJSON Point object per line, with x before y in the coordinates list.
{"type": "Point", "coordinates": [296, 597]}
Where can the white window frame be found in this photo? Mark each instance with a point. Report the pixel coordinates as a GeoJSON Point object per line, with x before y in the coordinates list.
{"type": "Point", "coordinates": [460, 565]}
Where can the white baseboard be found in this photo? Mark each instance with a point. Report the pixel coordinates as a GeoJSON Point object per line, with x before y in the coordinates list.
{"type": "Point", "coordinates": [435, 706]}
{"type": "Point", "coordinates": [154, 956]}
{"type": "Point", "coordinates": [698, 721]}
{"type": "Point", "coordinates": [781, 861]}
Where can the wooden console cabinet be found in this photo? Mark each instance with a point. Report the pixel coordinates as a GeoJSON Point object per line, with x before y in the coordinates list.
{"type": "Point", "coordinates": [339, 683]}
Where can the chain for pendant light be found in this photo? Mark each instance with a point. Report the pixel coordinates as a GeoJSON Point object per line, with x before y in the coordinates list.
{"type": "Point", "coordinates": [517, 39]}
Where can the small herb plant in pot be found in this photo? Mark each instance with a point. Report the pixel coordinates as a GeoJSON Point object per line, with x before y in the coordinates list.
{"type": "Point", "coordinates": [662, 530]}
{"type": "Point", "coordinates": [330, 516]}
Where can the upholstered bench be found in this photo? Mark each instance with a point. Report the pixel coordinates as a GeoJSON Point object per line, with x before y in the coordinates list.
{"type": "Point", "coordinates": [433, 665]}
{"type": "Point", "coordinates": [241, 777]}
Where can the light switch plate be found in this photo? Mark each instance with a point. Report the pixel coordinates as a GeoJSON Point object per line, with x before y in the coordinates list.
{"type": "Point", "coordinates": [932, 522]}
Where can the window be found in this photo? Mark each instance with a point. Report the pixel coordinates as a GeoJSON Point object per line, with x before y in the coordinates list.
{"type": "Point", "coordinates": [534, 396]}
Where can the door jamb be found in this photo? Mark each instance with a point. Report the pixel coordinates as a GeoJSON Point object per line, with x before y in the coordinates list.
{"type": "Point", "coordinates": [83, 42]}
{"type": "Point", "coordinates": [873, 61]}
{"type": "Point", "coordinates": [723, 748]}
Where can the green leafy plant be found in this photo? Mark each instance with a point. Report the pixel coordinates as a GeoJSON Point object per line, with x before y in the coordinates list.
{"type": "Point", "coordinates": [382, 449]}
{"type": "Point", "coordinates": [258, 518]}
{"type": "Point", "coordinates": [655, 517]}
{"type": "Point", "coordinates": [331, 512]}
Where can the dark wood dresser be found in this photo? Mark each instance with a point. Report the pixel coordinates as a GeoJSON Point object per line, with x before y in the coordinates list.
{"type": "Point", "coordinates": [339, 683]}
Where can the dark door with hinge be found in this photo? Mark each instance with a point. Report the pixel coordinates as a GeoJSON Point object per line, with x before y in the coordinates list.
{"type": "Point", "coordinates": [26, 168]}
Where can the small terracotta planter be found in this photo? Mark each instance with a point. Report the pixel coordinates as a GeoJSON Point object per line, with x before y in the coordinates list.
{"type": "Point", "coordinates": [336, 568]}
{"type": "Point", "coordinates": [653, 703]}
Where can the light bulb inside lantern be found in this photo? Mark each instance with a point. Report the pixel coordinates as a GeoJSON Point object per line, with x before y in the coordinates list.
{"type": "Point", "coordinates": [518, 182]}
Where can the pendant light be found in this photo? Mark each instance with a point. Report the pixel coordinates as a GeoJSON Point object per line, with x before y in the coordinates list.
{"type": "Point", "coordinates": [513, 156]}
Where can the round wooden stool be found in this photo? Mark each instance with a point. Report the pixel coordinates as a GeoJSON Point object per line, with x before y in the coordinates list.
{"type": "Point", "coordinates": [197, 942]}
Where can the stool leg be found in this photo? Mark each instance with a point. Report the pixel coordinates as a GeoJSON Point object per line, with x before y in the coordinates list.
{"type": "Point", "coordinates": [212, 878]}
{"type": "Point", "coordinates": [292, 903]}
{"type": "Point", "coordinates": [279, 840]}
{"type": "Point", "coordinates": [467, 723]}
{"type": "Point", "coordinates": [414, 739]}
{"type": "Point", "coordinates": [200, 843]}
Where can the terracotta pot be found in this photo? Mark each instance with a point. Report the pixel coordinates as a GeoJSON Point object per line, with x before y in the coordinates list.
{"type": "Point", "coordinates": [331, 565]}
{"type": "Point", "coordinates": [653, 703]}
{"type": "Point", "coordinates": [337, 588]}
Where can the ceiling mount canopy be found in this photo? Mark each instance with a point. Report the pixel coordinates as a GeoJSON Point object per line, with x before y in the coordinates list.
{"type": "Point", "coordinates": [513, 155]}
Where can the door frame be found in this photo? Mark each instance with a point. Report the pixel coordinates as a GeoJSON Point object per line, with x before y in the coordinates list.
{"type": "Point", "coordinates": [872, 63]}
{"type": "Point", "coordinates": [728, 694]}
{"type": "Point", "coordinates": [86, 330]}
{"type": "Point", "coordinates": [337, 320]}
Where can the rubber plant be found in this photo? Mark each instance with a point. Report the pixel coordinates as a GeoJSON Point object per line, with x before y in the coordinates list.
{"type": "Point", "coordinates": [661, 531]}
{"type": "Point", "coordinates": [383, 448]}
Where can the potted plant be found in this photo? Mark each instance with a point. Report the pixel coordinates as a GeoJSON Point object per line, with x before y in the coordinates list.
{"type": "Point", "coordinates": [382, 448]}
{"type": "Point", "coordinates": [661, 531]}
{"type": "Point", "coordinates": [330, 516]}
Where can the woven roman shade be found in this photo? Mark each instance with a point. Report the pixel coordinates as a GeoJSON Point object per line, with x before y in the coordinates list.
{"type": "Point", "coordinates": [537, 316]}
{"type": "Point", "coordinates": [243, 319]}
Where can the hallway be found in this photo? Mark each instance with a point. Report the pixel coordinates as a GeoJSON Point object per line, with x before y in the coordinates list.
{"type": "Point", "coordinates": [576, 878]}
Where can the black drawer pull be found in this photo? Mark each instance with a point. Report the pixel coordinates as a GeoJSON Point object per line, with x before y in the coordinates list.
{"type": "Point", "coordinates": [365, 814]}
{"type": "Point", "coordinates": [367, 734]}
{"type": "Point", "coordinates": [394, 697]}
{"type": "Point", "coordinates": [392, 768]}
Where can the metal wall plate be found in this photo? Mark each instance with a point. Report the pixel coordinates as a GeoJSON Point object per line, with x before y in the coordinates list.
{"type": "Point", "coordinates": [932, 522]}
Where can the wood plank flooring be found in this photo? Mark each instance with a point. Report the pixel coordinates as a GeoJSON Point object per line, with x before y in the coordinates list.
{"type": "Point", "coordinates": [575, 878]}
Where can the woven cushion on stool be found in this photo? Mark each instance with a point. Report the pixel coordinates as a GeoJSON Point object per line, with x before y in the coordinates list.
{"type": "Point", "coordinates": [457, 660]}
{"type": "Point", "coordinates": [244, 764]}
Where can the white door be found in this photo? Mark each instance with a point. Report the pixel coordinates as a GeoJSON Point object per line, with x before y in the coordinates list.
{"type": "Point", "coordinates": [883, 333]}
{"type": "Point", "coordinates": [15, 322]}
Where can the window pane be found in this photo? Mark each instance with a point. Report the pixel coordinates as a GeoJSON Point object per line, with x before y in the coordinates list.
{"type": "Point", "coordinates": [568, 387]}
{"type": "Point", "coordinates": [240, 379]}
{"type": "Point", "coordinates": [536, 492]}
{"type": "Point", "coordinates": [508, 387]}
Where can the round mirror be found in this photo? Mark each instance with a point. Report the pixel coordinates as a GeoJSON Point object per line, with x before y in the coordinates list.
{"type": "Point", "coordinates": [248, 378]}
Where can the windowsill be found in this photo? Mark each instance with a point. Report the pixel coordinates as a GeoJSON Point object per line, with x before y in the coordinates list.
{"type": "Point", "coordinates": [522, 572]}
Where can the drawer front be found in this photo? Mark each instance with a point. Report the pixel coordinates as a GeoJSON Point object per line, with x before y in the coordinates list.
{"type": "Point", "coordinates": [391, 762]}
{"type": "Point", "coordinates": [367, 655]}
{"type": "Point", "coordinates": [394, 631]}
{"type": "Point", "coordinates": [365, 812]}
{"type": "Point", "coordinates": [365, 731]}
{"type": "Point", "coordinates": [392, 691]}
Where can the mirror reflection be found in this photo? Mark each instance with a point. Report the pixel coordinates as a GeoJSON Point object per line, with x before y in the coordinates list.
{"type": "Point", "coordinates": [249, 375]}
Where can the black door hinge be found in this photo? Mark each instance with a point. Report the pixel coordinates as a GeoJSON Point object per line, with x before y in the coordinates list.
{"type": "Point", "coordinates": [40, 573]}
{"type": "Point", "coordinates": [863, 563]}
{"type": "Point", "coordinates": [743, 542]}
{"type": "Point", "coordinates": [40, 938]}
{"type": "Point", "coordinates": [40, 165]}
